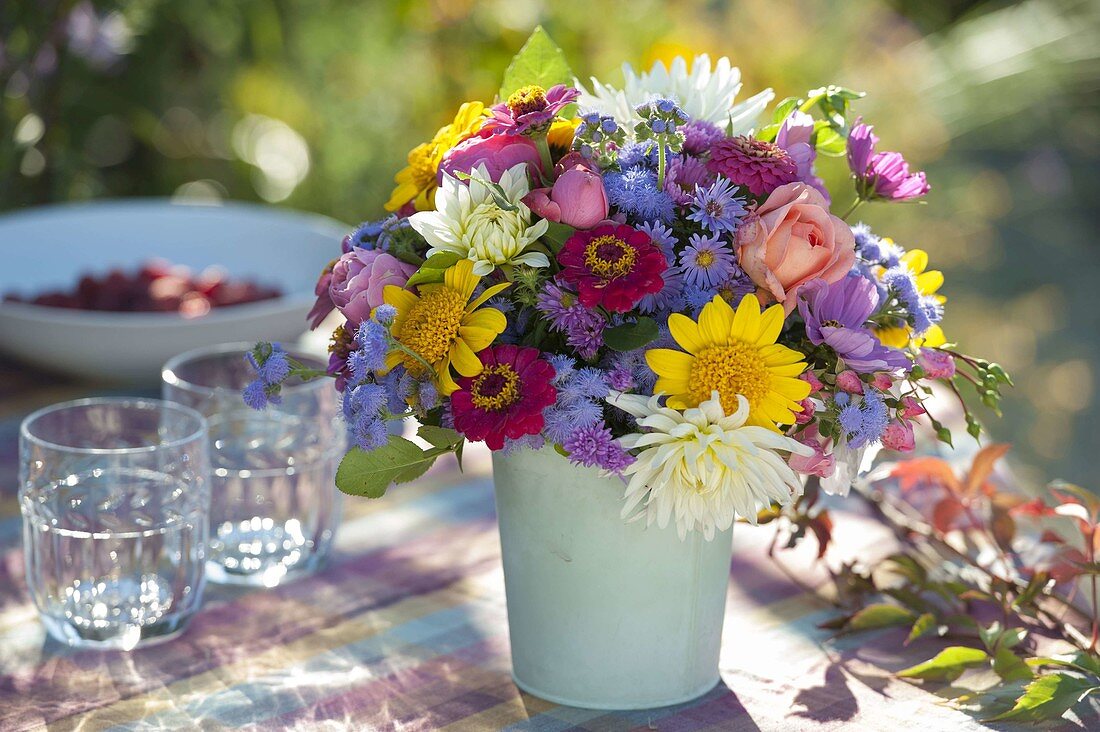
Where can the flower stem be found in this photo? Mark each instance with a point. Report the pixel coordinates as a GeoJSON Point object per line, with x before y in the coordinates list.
{"type": "Point", "coordinates": [852, 209]}
{"type": "Point", "coordinates": [544, 153]}
{"type": "Point", "coordinates": [660, 166]}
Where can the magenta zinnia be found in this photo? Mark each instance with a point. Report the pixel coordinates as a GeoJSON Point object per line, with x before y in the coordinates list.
{"type": "Point", "coordinates": [613, 266]}
{"type": "Point", "coordinates": [529, 110]}
{"type": "Point", "coordinates": [504, 401]}
{"type": "Point", "coordinates": [759, 166]}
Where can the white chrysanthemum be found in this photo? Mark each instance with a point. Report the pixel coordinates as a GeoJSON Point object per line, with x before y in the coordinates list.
{"type": "Point", "coordinates": [704, 467]}
{"type": "Point", "coordinates": [470, 222]}
{"type": "Point", "coordinates": [704, 93]}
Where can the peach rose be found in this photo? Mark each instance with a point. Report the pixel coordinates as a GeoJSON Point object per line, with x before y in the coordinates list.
{"type": "Point", "coordinates": [791, 239]}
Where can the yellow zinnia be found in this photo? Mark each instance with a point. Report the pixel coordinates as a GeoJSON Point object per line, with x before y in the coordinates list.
{"type": "Point", "coordinates": [442, 327]}
{"type": "Point", "coordinates": [928, 284]}
{"type": "Point", "coordinates": [732, 353]}
{"type": "Point", "coordinates": [416, 182]}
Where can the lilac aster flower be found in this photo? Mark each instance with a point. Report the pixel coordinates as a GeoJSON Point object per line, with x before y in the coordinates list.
{"type": "Point", "coordinates": [683, 176]}
{"type": "Point", "coordinates": [594, 446]}
{"type": "Point", "coordinates": [837, 314]}
{"type": "Point", "coordinates": [670, 298]}
{"type": "Point", "coordinates": [699, 135]}
{"type": "Point", "coordinates": [706, 261]}
{"type": "Point", "coordinates": [530, 110]}
{"type": "Point", "coordinates": [662, 236]}
{"type": "Point", "coordinates": [717, 207]}
{"type": "Point", "coordinates": [881, 175]}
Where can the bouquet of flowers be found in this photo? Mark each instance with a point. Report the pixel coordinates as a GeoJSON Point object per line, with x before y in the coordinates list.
{"type": "Point", "coordinates": [648, 279]}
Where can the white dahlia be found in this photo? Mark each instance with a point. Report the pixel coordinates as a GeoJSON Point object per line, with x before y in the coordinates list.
{"type": "Point", "coordinates": [702, 466]}
{"type": "Point", "coordinates": [471, 221]}
{"type": "Point", "coordinates": [705, 93]}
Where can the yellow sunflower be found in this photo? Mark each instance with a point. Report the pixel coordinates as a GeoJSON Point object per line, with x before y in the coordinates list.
{"type": "Point", "coordinates": [442, 327]}
{"type": "Point", "coordinates": [732, 353]}
{"type": "Point", "coordinates": [928, 284]}
{"type": "Point", "coordinates": [417, 181]}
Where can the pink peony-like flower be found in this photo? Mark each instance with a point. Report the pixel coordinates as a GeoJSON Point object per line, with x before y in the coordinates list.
{"type": "Point", "coordinates": [791, 239]}
{"type": "Point", "coordinates": [497, 153]}
{"type": "Point", "coordinates": [898, 436]}
{"type": "Point", "coordinates": [358, 279]}
{"type": "Point", "coordinates": [821, 463]}
{"type": "Point", "coordinates": [848, 381]}
{"type": "Point", "coordinates": [577, 198]}
{"type": "Point", "coordinates": [795, 136]}
{"type": "Point", "coordinates": [759, 166]}
{"type": "Point", "coordinates": [936, 364]}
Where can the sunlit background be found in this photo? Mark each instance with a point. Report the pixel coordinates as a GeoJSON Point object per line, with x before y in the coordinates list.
{"type": "Point", "coordinates": [312, 104]}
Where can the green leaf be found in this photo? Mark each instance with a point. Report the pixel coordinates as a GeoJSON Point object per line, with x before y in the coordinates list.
{"type": "Point", "coordinates": [557, 234]}
{"type": "Point", "coordinates": [908, 568]}
{"type": "Point", "coordinates": [540, 62]}
{"type": "Point", "coordinates": [1048, 697]}
{"type": "Point", "coordinates": [947, 665]}
{"type": "Point", "coordinates": [768, 133]}
{"type": "Point", "coordinates": [443, 260]}
{"type": "Point", "coordinates": [1009, 666]}
{"type": "Point", "coordinates": [630, 336]}
{"type": "Point", "coordinates": [784, 108]}
{"type": "Point", "coordinates": [441, 437]}
{"type": "Point", "coordinates": [829, 142]}
{"type": "Point", "coordinates": [425, 275]}
{"type": "Point", "coordinates": [370, 473]}
{"type": "Point", "coordinates": [1083, 661]}
{"type": "Point", "coordinates": [880, 615]}
{"type": "Point", "coordinates": [925, 624]}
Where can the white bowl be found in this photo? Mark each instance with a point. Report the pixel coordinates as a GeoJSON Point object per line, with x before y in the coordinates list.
{"type": "Point", "coordinates": [51, 247]}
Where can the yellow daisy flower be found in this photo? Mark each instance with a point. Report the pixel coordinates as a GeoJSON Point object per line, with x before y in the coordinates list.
{"type": "Point", "coordinates": [928, 284]}
{"type": "Point", "coordinates": [417, 181]}
{"type": "Point", "coordinates": [732, 353]}
{"type": "Point", "coordinates": [561, 134]}
{"type": "Point", "coordinates": [442, 327]}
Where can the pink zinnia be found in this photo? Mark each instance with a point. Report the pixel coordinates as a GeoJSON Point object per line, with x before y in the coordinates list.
{"type": "Point", "coordinates": [613, 265]}
{"type": "Point", "coordinates": [506, 400]}
{"type": "Point", "coordinates": [530, 110]}
{"type": "Point", "coordinates": [759, 166]}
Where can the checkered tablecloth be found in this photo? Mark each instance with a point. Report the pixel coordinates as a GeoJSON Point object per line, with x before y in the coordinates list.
{"type": "Point", "coordinates": [406, 629]}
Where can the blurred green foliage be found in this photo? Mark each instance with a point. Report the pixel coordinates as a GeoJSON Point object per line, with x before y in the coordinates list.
{"type": "Point", "coordinates": [314, 103]}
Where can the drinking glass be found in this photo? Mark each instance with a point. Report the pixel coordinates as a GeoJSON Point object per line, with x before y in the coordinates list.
{"type": "Point", "coordinates": [274, 506]}
{"type": "Point", "coordinates": [114, 495]}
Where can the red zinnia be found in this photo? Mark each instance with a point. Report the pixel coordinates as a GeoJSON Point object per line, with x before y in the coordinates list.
{"type": "Point", "coordinates": [506, 399]}
{"type": "Point", "coordinates": [612, 265]}
{"type": "Point", "coordinates": [759, 166]}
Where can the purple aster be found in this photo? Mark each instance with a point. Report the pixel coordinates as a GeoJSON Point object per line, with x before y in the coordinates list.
{"type": "Point", "coordinates": [881, 175]}
{"type": "Point", "coordinates": [706, 261]}
{"type": "Point", "coordinates": [837, 314]}
{"type": "Point", "coordinates": [634, 191]}
{"type": "Point", "coordinates": [530, 110]}
{"type": "Point", "coordinates": [699, 135]}
{"type": "Point", "coordinates": [594, 446]}
{"type": "Point", "coordinates": [670, 298]}
{"type": "Point", "coordinates": [662, 236]}
{"type": "Point", "coordinates": [683, 176]}
{"type": "Point", "coordinates": [583, 328]}
{"type": "Point", "coordinates": [717, 207]}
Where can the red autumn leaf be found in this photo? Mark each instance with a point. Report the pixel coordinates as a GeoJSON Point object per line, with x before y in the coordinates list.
{"type": "Point", "coordinates": [912, 473]}
{"type": "Point", "coordinates": [1035, 508]}
{"type": "Point", "coordinates": [822, 526]}
{"type": "Point", "coordinates": [1067, 565]}
{"type": "Point", "coordinates": [945, 513]}
{"type": "Point", "coordinates": [983, 465]}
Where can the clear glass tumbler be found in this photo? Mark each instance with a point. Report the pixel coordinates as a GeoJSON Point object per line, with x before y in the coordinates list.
{"type": "Point", "coordinates": [275, 506]}
{"type": "Point", "coordinates": [114, 495]}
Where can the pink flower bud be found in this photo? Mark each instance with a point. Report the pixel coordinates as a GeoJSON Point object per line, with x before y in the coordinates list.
{"type": "Point", "coordinates": [936, 364]}
{"type": "Point", "coordinates": [821, 463]}
{"type": "Point", "coordinates": [882, 382]}
{"type": "Point", "coordinates": [898, 435]}
{"type": "Point", "coordinates": [807, 413]}
{"type": "Point", "coordinates": [848, 381]}
{"type": "Point", "coordinates": [911, 408]}
{"type": "Point", "coordinates": [811, 378]}
{"type": "Point", "coordinates": [577, 199]}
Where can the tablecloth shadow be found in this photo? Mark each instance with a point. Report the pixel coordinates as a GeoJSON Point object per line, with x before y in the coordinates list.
{"type": "Point", "coordinates": [718, 706]}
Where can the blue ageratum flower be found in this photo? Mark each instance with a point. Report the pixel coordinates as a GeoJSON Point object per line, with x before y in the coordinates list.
{"type": "Point", "coordinates": [634, 191]}
{"type": "Point", "coordinates": [717, 207]}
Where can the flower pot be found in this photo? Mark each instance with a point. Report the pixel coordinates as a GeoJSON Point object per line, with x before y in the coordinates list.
{"type": "Point", "coordinates": [603, 614]}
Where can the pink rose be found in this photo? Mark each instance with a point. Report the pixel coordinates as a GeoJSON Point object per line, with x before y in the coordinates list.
{"type": "Point", "coordinates": [577, 198]}
{"type": "Point", "coordinates": [359, 278]}
{"type": "Point", "coordinates": [497, 153]}
{"type": "Point", "coordinates": [791, 239]}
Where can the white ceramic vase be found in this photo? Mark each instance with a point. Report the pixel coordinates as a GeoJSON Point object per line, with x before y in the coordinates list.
{"type": "Point", "coordinates": [603, 614]}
